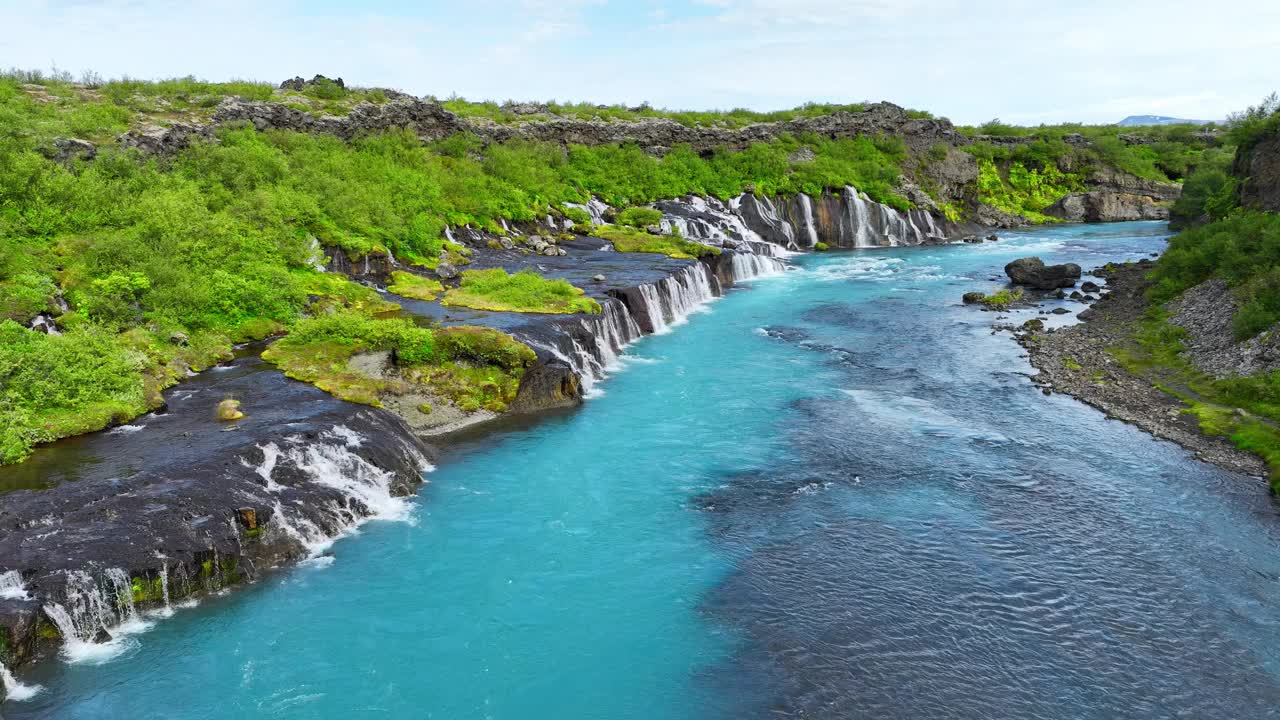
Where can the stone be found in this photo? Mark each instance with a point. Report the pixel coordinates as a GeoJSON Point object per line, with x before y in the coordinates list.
{"type": "Point", "coordinates": [1061, 295]}
{"type": "Point", "coordinates": [1089, 286]}
{"type": "Point", "coordinates": [550, 251]}
{"type": "Point", "coordinates": [179, 338]}
{"type": "Point", "coordinates": [1032, 272]}
{"type": "Point", "coordinates": [1060, 311]}
{"type": "Point", "coordinates": [247, 517]}
{"type": "Point", "coordinates": [506, 244]}
{"type": "Point", "coordinates": [1075, 295]}
{"type": "Point", "coordinates": [653, 229]}
{"type": "Point", "coordinates": [446, 271]}
{"type": "Point", "coordinates": [65, 150]}
{"type": "Point", "coordinates": [598, 278]}
{"type": "Point", "coordinates": [1033, 325]}
{"type": "Point", "coordinates": [973, 297]}
{"type": "Point", "coordinates": [972, 239]}
{"type": "Point", "coordinates": [993, 238]}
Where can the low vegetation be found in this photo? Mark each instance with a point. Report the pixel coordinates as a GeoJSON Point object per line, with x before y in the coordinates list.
{"type": "Point", "coordinates": [1244, 409]}
{"type": "Point", "coordinates": [1023, 191]}
{"type": "Point", "coordinates": [511, 112]}
{"type": "Point", "coordinates": [474, 367]}
{"type": "Point", "coordinates": [524, 291]}
{"type": "Point", "coordinates": [417, 287]}
{"type": "Point", "coordinates": [630, 240]}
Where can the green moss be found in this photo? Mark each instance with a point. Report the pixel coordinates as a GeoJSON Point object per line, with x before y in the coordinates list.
{"type": "Point", "coordinates": [630, 240]}
{"type": "Point", "coordinates": [1024, 191]}
{"type": "Point", "coordinates": [414, 286]}
{"type": "Point", "coordinates": [524, 291]}
{"type": "Point", "coordinates": [820, 246]}
{"type": "Point", "coordinates": [577, 215]}
{"type": "Point", "coordinates": [47, 630]}
{"type": "Point", "coordinates": [253, 533]}
{"type": "Point", "coordinates": [1072, 365]}
{"type": "Point", "coordinates": [206, 568]}
{"type": "Point", "coordinates": [1001, 300]}
{"type": "Point", "coordinates": [147, 589]}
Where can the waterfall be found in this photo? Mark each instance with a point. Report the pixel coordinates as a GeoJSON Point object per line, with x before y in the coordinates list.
{"type": "Point", "coordinates": [806, 205]}
{"type": "Point", "coordinates": [270, 456]}
{"type": "Point", "coordinates": [14, 690]}
{"type": "Point", "coordinates": [595, 208]}
{"type": "Point", "coordinates": [859, 218]}
{"type": "Point", "coordinates": [748, 266]}
{"type": "Point", "coordinates": [164, 589]}
{"type": "Point", "coordinates": [591, 345]}
{"type": "Point", "coordinates": [12, 587]}
{"type": "Point", "coordinates": [685, 292]}
{"type": "Point", "coordinates": [95, 623]}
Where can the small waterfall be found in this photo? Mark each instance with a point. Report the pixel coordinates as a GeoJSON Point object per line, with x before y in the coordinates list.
{"type": "Point", "coordinates": [94, 623]}
{"type": "Point", "coordinates": [806, 205]}
{"type": "Point", "coordinates": [270, 456]}
{"type": "Point", "coordinates": [12, 587]}
{"type": "Point", "coordinates": [164, 589]}
{"type": "Point", "coordinates": [859, 218]}
{"type": "Point", "coordinates": [14, 690]}
{"type": "Point", "coordinates": [594, 207]}
{"type": "Point", "coordinates": [685, 292]}
{"type": "Point", "coordinates": [748, 266]}
{"type": "Point", "coordinates": [603, 338]}
{"type": "Point", "coordinates": [653, 305]}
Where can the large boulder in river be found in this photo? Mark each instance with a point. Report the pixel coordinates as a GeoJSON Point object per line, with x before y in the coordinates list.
{"type": "Point", "coordinates": [1032, 272]}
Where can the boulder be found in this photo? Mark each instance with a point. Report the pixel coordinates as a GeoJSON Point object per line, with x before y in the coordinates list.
{"type": "Point", "coordinates": [65, 150]}
{"type": "Point", "coordinates": [1089, 286]}
{"type": "Point", "coordinates": [1060, 311]}
{"type": "Point", "coordinates": [446, 271]}
{"type": "Point", "coordinates": [973, 297]}
{"type": "Point", "coordinates": [598, 278]}
{"type": "Point", "coordinates": [1032, 272]}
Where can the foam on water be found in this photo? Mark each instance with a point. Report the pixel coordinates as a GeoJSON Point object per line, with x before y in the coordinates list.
{"type": "Point", "coordinates": [126, 429]}
{"type": "Point", "coordinates": [14, 690]}
{"type": "Point", "coordinates": [12, 587]}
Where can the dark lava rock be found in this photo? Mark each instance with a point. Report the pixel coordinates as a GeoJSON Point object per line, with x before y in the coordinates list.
{"type": "Point", "coordinates": [1060, 311]}
{"type": "Point", "coordinates": [65, 150]}
{"type": "Point", "coordinates": [972, 239]}
{"type": "Point", "coordinates": [973, 297]}
{"type": "Point", "coordinates": [1075, 295]}
{"type": "Point", "coordinates": [993, 238]}
{"type": "Point", "coordinates": [1032, 271]}
{"type": "Point", "coordinates": [1033, 325]}
{"type": "Point", "coordinates": [1090, 286]}
{"type": "Point", "coordinates": [1061, 295]}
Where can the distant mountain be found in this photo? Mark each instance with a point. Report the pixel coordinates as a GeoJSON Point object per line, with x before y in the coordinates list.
{"type": "Point", "coordinates": [1135, 120]}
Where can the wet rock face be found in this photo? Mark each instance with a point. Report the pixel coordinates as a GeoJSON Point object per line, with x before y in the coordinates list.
{"type": "Point", "coordinates": [373, 267]}
{"type": "Point", "coordinates": [547, 386]}
{"type": "Point", "coordinates": [1258, 168]}
{"type": "Point", "coordinates": [1032, 272]}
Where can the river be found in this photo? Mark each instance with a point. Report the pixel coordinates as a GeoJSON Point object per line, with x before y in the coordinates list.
{"type": "Point", "coordinates": [834, 493]}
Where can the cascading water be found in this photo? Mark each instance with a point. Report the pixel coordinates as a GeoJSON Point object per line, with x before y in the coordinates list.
{"type": "Point", "coordinates": [94, 622]}
{"type": "Point", "coordinates": [748, 266]}
{"type": "Point", "coordinates": [14, 690]}
{"type": "Point", "coordinates": [12, 587]}
{"type": "Point", "coordinates": [859, 218]}
{"type": "Point", "coordinates": [806, 204]}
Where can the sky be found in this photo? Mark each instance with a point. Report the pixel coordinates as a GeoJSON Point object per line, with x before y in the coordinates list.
{"type": "Point", "coordinates": [1022, 62]}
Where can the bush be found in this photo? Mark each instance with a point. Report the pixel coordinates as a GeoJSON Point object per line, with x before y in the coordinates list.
{"type": "Point", "coordinates": [640, 217]}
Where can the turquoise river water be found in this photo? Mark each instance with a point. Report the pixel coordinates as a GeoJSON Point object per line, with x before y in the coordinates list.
{"type": "Point", "coordinates": [835, 493]}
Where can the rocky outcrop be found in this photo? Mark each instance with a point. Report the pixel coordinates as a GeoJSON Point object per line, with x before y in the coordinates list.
{"type": "Point", "coordinates": [65, 150]}
{"type": "Point", "coordinates": [1110, 180]}
{"type": "Point", "coordinates": [1258, 170]}
{"type": "Point", "coordinates": [1032, 272]}
{"type": "Point", "coordinates": [177, 508]}
{"type": "Point", "coordinates": [432, 121]}
{"type": "Point", "coordinates": [1107, 206]}
{"type": "Point", "coordinates": [373, 267]}
{"type": "Point", "coordinates": [1206, 312]}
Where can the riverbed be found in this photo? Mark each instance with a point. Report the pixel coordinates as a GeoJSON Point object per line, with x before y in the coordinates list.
{"type": "Point", "coordinates": [832, 493]}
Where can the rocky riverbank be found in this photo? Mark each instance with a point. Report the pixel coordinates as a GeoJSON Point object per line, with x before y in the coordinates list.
{"type": "Point", "coordinates": [1078, 360]}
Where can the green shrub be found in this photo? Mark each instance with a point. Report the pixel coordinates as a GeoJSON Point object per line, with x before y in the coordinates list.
{"type": "Point", "coordinates": [414, 286]}
{"type": "Point", "coordinates": [577, 215]}
{"type": "Point", "coordinates": [639, 217]}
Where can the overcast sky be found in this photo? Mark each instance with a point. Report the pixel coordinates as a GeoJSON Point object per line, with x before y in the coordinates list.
{"type": "Point", "coordinates": [1024, 62]}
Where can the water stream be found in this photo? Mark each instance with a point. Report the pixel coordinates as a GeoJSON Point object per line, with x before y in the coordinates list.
{"type": "Point", "coordinates": [835, 494]}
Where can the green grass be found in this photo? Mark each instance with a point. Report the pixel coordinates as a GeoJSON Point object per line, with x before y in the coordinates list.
{"type": "Point", "coordinates": [414, 286]}
{"type": "Point", "coordinates": [639, 217]}
{"type": "Point", "coordinates": [630, 240]}
{"type": "Point", "coordinates": [524, 291]}
{"type": "Point", "coordinates": [1155, 353]}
